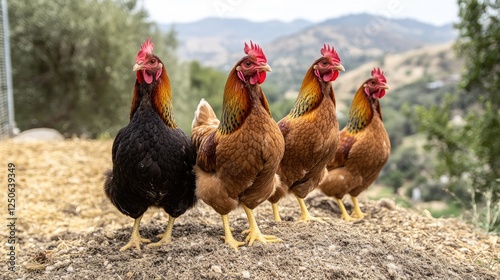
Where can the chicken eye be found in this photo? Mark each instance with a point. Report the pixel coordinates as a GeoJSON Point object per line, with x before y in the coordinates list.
{"type": "Point", "coordinates": [152, 61]}
{"type": "Point", "coordinates": [247, 64]}
{"type": "Point", "coordinates": [324, 63]}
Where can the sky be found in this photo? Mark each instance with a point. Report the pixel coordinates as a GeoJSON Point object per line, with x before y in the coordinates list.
{"type": "Point", "coordinates": [437, 12]}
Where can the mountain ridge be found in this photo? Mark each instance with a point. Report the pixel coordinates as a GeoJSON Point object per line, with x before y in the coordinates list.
{"type": "Point", "coordinates": [216, 42]}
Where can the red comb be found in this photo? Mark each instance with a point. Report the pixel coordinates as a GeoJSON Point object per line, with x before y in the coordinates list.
{"type": "Point", "coordinates": [255, 51]}
{"type": "Point", "coordinates": [377, 73]}
{"type": "Point", "coordinates": [146, 49]}
{"type": "Point", "coordinates": [329, 51]}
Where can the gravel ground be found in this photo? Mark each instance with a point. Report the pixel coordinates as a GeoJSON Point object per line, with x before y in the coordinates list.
{"type": "Point", "coordinates": [67, 229]}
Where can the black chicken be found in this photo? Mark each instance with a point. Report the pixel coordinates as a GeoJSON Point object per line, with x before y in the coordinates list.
{"type": "Point", "coordinates": [152, 158]}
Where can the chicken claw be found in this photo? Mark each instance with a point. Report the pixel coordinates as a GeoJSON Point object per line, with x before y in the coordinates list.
{"type": "Point", "coordinates": [135, 239]}
{"type": "Point", "coordinates": [228, 238]}
{"type": "Point", "coordinates": [305, 216]}
{"type": "Point", "coordinates": [357, 213]}
{"type": "Point", "coordinates": [166, 237]}
{"type": "Point", "coordinates": [254, 231]}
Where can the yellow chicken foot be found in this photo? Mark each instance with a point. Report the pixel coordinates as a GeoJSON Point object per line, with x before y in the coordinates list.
{"type": "Point", "coordinates": [276, 212]}
{"type": "Point", "coordinates": [345, 216]}
{"type": "Point", "coordinates": [167, 236]}
{"type": "Point", "coordinates": [305, 216]}
{"type": "Point", "coordinates": [228, 238]}
{"type": "Point", "coordinates": [254, 231]}
{"type": "Point", "coordinates": [135, 239]}
{"type": "Point", "coordinates": [356, 213]}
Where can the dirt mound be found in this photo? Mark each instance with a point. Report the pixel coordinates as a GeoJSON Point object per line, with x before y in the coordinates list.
{"type": "Point", "coordinates": [67, 229]}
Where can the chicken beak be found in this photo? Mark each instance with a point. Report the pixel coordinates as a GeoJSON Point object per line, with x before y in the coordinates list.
{"type": "Point", "coordinates": [384, 86]}
{"type": "Point", "coordinates": [339, 67]}
{"type": "Point", "coordinates": [265, 67]}
{"type": "Point", "coordinates": [137, 67]}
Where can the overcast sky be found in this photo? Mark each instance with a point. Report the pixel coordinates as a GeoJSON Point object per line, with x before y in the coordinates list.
{"type": "Point", "coordinates": [436, 12]}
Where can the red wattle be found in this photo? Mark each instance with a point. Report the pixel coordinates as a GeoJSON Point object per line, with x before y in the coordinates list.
{"type": "Point", "coordinates": [328, 77]}
{"type": "Point", "coordinates": [262, 77]}
{"type": "Point", "coordinates": [148, 78]}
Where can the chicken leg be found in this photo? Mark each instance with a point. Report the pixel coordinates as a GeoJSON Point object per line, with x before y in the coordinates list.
{"type": "Point", "coordinates": [228, 236]}
{"type": "Point", "coordinates": [135, 239]}
{"type": "Point", "coordinates": [254, 231]}
{"type": "Point", "coordinates": [166, 237]}
{"type": "Point", "coordinates": [356, 213]}
{"type": "Point", "coordinates": [345, 215]}
{"type": "Point", "coordinates": [305, 216]}
{"type": "Point", "coordinates": [276, 212]}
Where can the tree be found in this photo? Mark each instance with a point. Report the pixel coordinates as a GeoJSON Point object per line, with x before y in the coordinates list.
{"type": "Point", "coordinates": [72, 62]}
{"type": "Point", "coordinates": [469, 153]}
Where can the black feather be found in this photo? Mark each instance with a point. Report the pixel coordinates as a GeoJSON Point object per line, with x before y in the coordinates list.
{"type": "Point", "coordinates": [152, 166]}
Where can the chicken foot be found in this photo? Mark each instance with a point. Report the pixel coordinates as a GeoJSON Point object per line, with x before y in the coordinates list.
{"type": "Point", "coordinates": [228, 236]}
{"type": "Point", "coordinates": [166, 237]}
{"type": "Point", "coordinates": [254, 231]}
{"type": "Point", "coordinates": [135, 239]}
{"type": "Point", "coordinates": [305, 216]}
{"type": "Point", "coordinates": [345, 215]}
{"type": "Point", "coordinates": [356, 213]}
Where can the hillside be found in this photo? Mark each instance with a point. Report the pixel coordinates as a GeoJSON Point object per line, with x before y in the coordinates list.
{"type": "Point", "coordinates": [211, 40]}
{"type": "Point", "coordinates": [360, 37]}
{"type": "Point", "coordinates": [357, 38]}
{"type": "Point", "coordinates": [432, 63]}
{"type": "Point", "coordinates": [429, 64]}
{"type": "Point", "coordinates": [67, 229]}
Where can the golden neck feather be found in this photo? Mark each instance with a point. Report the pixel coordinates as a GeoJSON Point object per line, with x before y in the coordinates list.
{"type": "Point", "coordinates": [361, 112]}
{"type": "Point", "coordinates": [311, 94]}
{"type": "Point", "coordinates": [235, 104]}
{"type": "Point", "coordinates": [160, 97]}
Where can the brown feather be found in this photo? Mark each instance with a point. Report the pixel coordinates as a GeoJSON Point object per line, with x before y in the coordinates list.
{"type": "Point", "coordinates": [311, 137]}
{"type": "Point", "coordinates": [237, 162]}
{"type": "Point", "coordinates": [364, 149]}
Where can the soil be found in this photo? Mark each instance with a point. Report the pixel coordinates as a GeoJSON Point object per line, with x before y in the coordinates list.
{"type": "Point", "coordinates": [67, 229]}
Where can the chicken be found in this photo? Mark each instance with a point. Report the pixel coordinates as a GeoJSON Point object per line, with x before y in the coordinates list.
{"type": "Point", "coordinates": [311, 133]}
{"type": "Point", "coordinates": [239, 155]}
{"type": "Point", "coordinates": [153, 159]}
{"type": "Point", "coordinates": [364, 146]}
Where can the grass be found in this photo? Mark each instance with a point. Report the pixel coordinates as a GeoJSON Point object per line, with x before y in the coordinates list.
{"type": "Point", "coordinates": [452, 210]}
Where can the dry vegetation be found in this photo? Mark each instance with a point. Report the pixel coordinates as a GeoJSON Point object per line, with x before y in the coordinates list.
{"type": "Point", "coordinates": [67, 229]}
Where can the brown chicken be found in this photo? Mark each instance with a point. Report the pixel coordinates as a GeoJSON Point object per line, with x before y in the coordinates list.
{"type": "Point", "coordinates": [363, 149]}
{"type": "Point", "coordinates": [311, 133]}
{"type": "Point", "coordinates": [239, 155]}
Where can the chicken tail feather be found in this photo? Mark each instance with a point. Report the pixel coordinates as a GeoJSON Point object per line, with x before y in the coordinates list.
{"type": "Point", "coordinates": [205, 122]}
{"type": "Point", "coordinates": [204, 115]}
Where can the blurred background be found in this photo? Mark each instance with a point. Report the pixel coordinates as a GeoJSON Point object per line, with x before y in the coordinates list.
{"type": "Point", "coordinates": [67, 65]}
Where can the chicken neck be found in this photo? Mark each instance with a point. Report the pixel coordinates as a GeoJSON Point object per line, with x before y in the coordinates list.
{"type": "Point", "coordinates": [311, 94]}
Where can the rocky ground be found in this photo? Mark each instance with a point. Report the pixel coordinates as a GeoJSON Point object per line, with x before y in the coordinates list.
{"type": "Point", "coordinates": [67, 229]}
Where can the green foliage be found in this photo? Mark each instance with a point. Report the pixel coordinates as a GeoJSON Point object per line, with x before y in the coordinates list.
{"type": "Point", "coordinates": [468, 153]}
{"type": "Point", "coordinates": [72, 62]}
{"type": "Point", "coordinates": [72, 66]}
{"type": "Point", "coordinates": [452, 210]}
{"type": "Point", "coordinates": [206, 83]}
{"type": "Point", "coordinates": [479, 34]}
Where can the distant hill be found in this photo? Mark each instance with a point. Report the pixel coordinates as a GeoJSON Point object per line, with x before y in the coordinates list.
{"type": "Point", "coordinates": [212, 40]}
{"type": "Point", "coordinates": [434, 63]}
{"type": "Point", "coordinates": [359, 38]}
